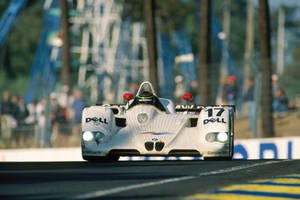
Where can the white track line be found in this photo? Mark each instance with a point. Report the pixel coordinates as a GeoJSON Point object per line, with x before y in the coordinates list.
{"type": "Point", "coordinates": [101, 193]}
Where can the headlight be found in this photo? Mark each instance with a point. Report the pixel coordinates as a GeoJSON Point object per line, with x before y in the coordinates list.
{"type": "Point", "coordinates": [222, 137]}
{"type": "Point", "coordinates": [210, 137]}
{"type": "Point", "coordinates": [99, 136]}
{"type": "Point", "coordinates": [87, 136]}
{"type": "Point", "coordinates": [217, 137]}
{"type": "Point", "coordinates": [142, 118]}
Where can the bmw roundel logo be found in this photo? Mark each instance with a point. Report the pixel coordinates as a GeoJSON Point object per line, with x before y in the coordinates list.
{"type": "Point", "coordinates": [142, 118]}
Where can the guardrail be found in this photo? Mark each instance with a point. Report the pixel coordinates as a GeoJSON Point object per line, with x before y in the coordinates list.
{"type": "Point", "coordinates": [268, 148]}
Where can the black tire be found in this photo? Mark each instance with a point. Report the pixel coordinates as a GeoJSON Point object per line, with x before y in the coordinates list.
{"type": "Point", "coordinates": [218, 158]}
{"type": "Point", "coordinates": [223, 158]}
{"type": "Point", "coordinates": [230, 155]}
{"type": "Point", "coordinates": [109, 158]}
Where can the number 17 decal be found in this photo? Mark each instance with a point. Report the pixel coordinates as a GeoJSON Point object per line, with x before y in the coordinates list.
{"type": "Point", "coordinates": [211, 110]}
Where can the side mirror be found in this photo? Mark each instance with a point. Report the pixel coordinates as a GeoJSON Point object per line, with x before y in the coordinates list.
{"type": "Point", "coordinates": [127, 96]}
{"type": "Point", "coordinates": [187, 97]}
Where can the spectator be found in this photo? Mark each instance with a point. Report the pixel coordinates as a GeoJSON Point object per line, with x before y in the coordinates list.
{"type": "Point", "coordinates": [78, 105]}
{"type": "Point", "coordinates": [22, 114]}
{"type": "Point", "coordinates": [249, 95]}
{"type": "Point", "coordinates": [59, 123]}
{"type": "Point", "coordinates": [55, 118]}
{"type": "Point", "coordinates": [7, 120]}
{"type": "Point", "coordinates": [249, 98]}
{"type": "Point", "coordinates": [193, 89]}
{"type": "Point", "coordinates": [53, 106]}
{"type": "Point", "coordinates": [230, 90]}
{"type": "Point", "coordinates": [280, 101]}
{"type": "Point", "coordinates": [41, 129]}
{"type": "Point", "coordinates": [32, 118]}
{"type": "Point", "coordinates": [61, 115]}
{"type": "Point", "coordinates": [15, 105]}
{"type": "Point", "coordinates": [275, 85]}
{"type": "Point", "coordinates": [6, 104]}
{"type": "Point", "coordinates": [179, 89]}
{"type": "Point", "coordinates": [63, 96]}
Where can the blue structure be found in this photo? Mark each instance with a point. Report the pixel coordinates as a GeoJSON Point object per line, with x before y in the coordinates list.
{"type": "Point", "coordinates": [43, 73]}
{"type": "Point", "coordinates": [124, 50]}
{"type": "Point", "coordinates": [167, 55]}
{"type": "Point", "coordinates": [216, 29]}
{"type": "Point", "coordinates": [185, 48]}
{"type": "Point", "coordinates": [9, 18]}
{"type": "Point", "coordinates": [171, 45]}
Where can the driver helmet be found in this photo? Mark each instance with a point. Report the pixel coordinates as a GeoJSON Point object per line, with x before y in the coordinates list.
{"type": "Point", "coordinates": [146, 97]}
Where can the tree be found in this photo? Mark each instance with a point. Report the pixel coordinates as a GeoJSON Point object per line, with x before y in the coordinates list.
{"type": "Point", "coordinates": [66, 57]}
{"type": "Point", "coordinates": [149, 11]}
{"type": "Point", "coordinates": [204, 48]}
{"type": "Point", "coordinates": [248, 55]}
{"type": "Point", "coordinates": [21, 42]}
{"type": "Point", "coordinates": [266, 70]}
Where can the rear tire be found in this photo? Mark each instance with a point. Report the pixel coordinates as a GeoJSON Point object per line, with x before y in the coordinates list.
{"type": "Point", "coordinates": [109, 158]}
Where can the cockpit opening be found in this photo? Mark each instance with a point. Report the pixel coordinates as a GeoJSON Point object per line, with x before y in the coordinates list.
{"type": "Point", "coordinates": [146, 96]}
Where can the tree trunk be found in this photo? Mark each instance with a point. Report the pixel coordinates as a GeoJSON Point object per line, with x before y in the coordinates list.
{"type": "Point", "coordinates": [266, 73]}
{"type": "Point", "coordinates": [204, 75]}
{"type": "Point", "coordinates": [280, 42]}
{"type": "Point", "coordinates": [65, 75]}
{"type": "Point", "coordinates": [149, 12]}
{"type": "Point", "coordinates": [248, 56]}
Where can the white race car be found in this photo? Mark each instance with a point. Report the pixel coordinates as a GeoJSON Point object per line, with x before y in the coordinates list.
{"type": "Point", "coordinates": [151, 126]}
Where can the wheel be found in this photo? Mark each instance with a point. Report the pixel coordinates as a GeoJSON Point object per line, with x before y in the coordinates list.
{"type": "Point", "coordinates": [109, 158]}
{"type": "Point", "coordinates": [218, 158]}
{"type": "Point", "coordinates": [230, 155]}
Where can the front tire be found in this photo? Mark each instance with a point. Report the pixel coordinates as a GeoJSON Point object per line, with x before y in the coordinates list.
{"type": "Point", "coordinates": [109, 158]}
{"type": "Point", "coordinates": [223, 158]}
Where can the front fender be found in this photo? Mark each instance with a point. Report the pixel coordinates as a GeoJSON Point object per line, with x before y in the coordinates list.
{"type": "Point", "coordinates": [98, 118]}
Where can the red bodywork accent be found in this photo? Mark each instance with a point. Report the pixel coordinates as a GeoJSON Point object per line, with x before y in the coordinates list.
{"type": "Point", "coordinates": [127, 96]}
{"type": "Point", "coordinates": [187, 97]}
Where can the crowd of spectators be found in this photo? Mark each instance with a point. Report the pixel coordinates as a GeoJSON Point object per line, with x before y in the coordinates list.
{"type": "Point", "coordinates": [281, 102]}
{"type": "Point", "coordinates": [42, 122]}
{"type": "Point", "coordinates": [230, 91]}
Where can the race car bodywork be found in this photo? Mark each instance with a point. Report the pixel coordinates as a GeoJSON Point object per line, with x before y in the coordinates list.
{"type": "Point", "coordinates": [151, 126]}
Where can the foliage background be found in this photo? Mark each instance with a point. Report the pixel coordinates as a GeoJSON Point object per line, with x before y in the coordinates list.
{"type": "Point", "coordinates": [17, 54]}
{"type": "Point", "coordinates": [18, 51]}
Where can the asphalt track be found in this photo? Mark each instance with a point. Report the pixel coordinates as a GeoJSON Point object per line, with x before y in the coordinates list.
{"type": "Point", "coordinates": [135, 179]}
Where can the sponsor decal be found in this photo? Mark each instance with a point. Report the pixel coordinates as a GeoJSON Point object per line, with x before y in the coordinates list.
{"type": "Point", "coordinates": [214, 120]}
{"type": "Point", "coordinates": [276, 149]}
{"type": "Point", "coordinates": [156, 133]}
{"type": "Point", "coordinates": [96, 120]}
{"type": "Point", "coordinates": [197, 107]}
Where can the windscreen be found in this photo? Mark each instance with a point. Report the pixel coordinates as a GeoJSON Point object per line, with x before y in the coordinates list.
{"type": "Point", "coordinates": [145, 89]}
